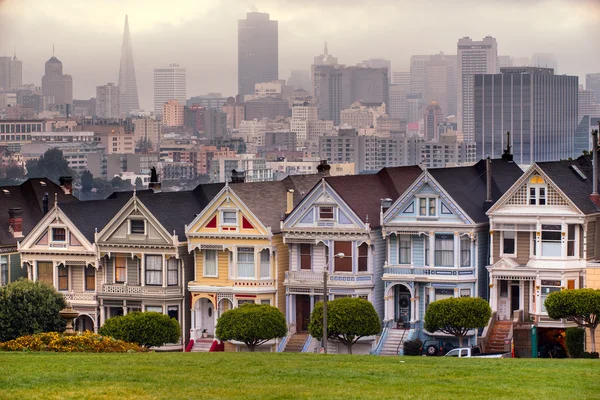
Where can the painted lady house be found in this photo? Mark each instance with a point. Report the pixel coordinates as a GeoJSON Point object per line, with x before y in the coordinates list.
{"type": "Point", "coordinates": [21, 208]}
{"type": "Point", "coordinates": [436, 243]}
{"type": "Point", "coordinates": [339, 215]}
{"type": "Point", "coordinates": [238, 251]}
{"type": "Point", "coordinates": [544, 235]}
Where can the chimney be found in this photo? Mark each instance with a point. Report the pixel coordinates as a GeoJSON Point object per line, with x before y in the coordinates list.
{"type": "Point", "coordinates": [385, 204]}
{"type": "Point", "coordinates": [488, 184]}
{"type": "Point", "coordinates": [323, 168]}
{"type": "Point", "coordinates": [154, 184]}
{"type": "Point", "coordinates": [238, 176]}
{"type": "Point", "coordinates": [15, 222]}
{"type": "Point", "coordinates": [45, 204]}
{"type": "Point", "coordinates": [66, 184]}
{"type": "Point", "coordinates": [507, 156]}
{"type": "Point", "coordinates": [289, 201]}
{"type": "Point", "coordinates": [594, 197]}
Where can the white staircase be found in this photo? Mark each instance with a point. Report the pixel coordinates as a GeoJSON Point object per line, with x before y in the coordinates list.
{"type": "Point", "coordinates": [394, 342]}
{"type": "Point", "coordinates": [202, 345]}
{"type": "Point", "coordinates": [332, 346]}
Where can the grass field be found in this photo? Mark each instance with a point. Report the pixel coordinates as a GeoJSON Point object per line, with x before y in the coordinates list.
{"type": "Point", "coordinates": [290, 376]}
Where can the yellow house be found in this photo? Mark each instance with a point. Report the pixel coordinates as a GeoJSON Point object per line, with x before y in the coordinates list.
{"type": "Point", "coordinates": [239, 255]}
{"type": "Point", "coordinates": [592, 281]}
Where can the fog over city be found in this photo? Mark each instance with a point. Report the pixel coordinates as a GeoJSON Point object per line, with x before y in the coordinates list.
{"type": "Point", "coordinates": [202, 35]}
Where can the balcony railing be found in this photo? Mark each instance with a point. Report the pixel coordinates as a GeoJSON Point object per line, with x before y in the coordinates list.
{"type": "Point", "coordinates": [136, 290]}
{"type": "Point", "coordinates": [335, 279]}
{"type": "Point", "coordinates": [79, 297]}
{"type": "Point", "coordinates": [459, 273]}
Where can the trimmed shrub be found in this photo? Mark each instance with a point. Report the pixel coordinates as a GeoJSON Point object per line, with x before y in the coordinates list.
{"type": "Point", "coordinates": [86, 342]}
{"type": "Point", "coordinates": [28, 307]}
{"type": "Point", "coordinates": [149, 329]}
{"type": "Point", "coordinates": [348, 319]}
{"type": "Point", "coordinates": [413, 347]}
{"type": "Point", "coordinates": [253, 324]}
{"type": "Point", "coordinates": [575, 338]}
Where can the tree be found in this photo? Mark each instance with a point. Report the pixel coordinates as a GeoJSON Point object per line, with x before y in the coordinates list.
{"type": "Point", "coordinates": [28, 307]}
{"type": "Point", "coordinates": [252, 324]}
{"type": "Point", "coordinates": [139, 185]}
{"type": "Point", "coordinates": [144, 145]}
{"type": "Point", "coordinates": [457, 315]}
{"type": "Point", "coordinates": [348, 319]}
{"type": "Point", "coordinates": [149, 329]}
{"type": "Point", "coordinates": [581, 306]}
{"type": "Point", "coordinates": [51, 165]}
{"type": "Point", "coordinates": [87, 181]}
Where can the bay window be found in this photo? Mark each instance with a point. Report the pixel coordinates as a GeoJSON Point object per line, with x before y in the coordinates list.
{"type": "Point", "coordinates": [444, 250]}
{"type": "Point", "coordinates": [265, 263]}
{"type": "Point", "coordinates": [245, 262]}
{"type": "Point", "coordinates": [305, 256]}
{"type": "Point", "coordinates": [547, 288]}
{"type": "Point", "coordinates": [404, 250]}
{"type": "Point", "coordinates": [465, 251]}
{"type": "Point", "coordinates": [210, 263]}
{"type": "Point", "coordinates": [571, 229]}
{"type": "Point", "coordinates": [441, 294]}
{"type": "Point", "coordinates": [509, 243]}
{"type": "Point", "coordinates": [172, 272]}
{"type": "Point", "coordinates": [426, 250]}
{"type": "Point", "coordinates": [45, 272]}
{"type": "Point", "coordinates": [120, 269]}
{"type": "Point", "coordinates": [154, 271]}
{"type": "Point", "coordinates": [63, 277]}
{"type": "Point", "coordinates": [343, 264]}
{"type": "Point", "coordinates": [3, 270]}
{"type": "Point", "coordinates": [363, 257]}
{"type": "Point", "coordinates": [551, 240]}
{"type": "Point", "coordinates": [90, 278]}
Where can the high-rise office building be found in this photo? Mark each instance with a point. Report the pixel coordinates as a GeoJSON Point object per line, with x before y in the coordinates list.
{"type": "Point", "coordinates": [299, 79]}
{"type": "Point", "coordinates": [11, 73]}
{"type": "Point", "coordinates": [107, 101]}
{"type": "Point", "coordinates": [258, 51]}
{"type": "Point", "coordinates": [505, 61]}
{"type": "Point", "coordinates": [401, 78]}
{"type": "Point", "coordinates": [128, 100]}
{"type": "Point", "coordinates": [474, 57]}
{"type": "Point", "coordinates": [398, 102]}
{"type": "Point", "coordinates": [54, 83]}
{"type": "Point", "coordinates": [172, 113]}
{"type": "Point", "coordinates": [544, 60]}
{"type": "Point", "coordinates": [148, 130]}
{"type": "Point", "coordinates": [433, 118]}
{"type": "Point", "coordinates": [440, 83]}
{"type": "Point", "coordinates": [418, 77]}
{"type": "Point", "coordinates": [538, 107]}
{"type": "Point", "coordinates": [588, 103]}
{"type": "Point", "coordinates": [169, 84]}
{"type": "Point", "coordinates": [379, 63]}
{"type": "Point", "coordinates": [592, 82]}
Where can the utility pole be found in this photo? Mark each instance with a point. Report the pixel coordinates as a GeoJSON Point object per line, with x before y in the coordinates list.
{"type": "Point", "coordinates": [325, 310]}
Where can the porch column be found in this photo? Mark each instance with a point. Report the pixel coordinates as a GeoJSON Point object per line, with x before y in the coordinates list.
{"type": "Point", "coordinates": [494, 294]}
{"type": "Point", "coordinates": [124, 307]}
{"type": "Point", "coordinates": [143, 273]}
{"type": "Point", "coordinates": [417, 302]}
{"type": "Point", "coordinates": [102, 314]}
{"type": "Point", "coordinates": [386, 308]}
{"type": "Point", "coordinates": [412, 308]}
{"type": "Point", "coordinates": [431, 239]}
{"type": "Point", "coordinates": [312, 302]}
{"type": "Point", "coordinates": [164, 271]}
{"type": "Point", "coordinates": [192, 323]}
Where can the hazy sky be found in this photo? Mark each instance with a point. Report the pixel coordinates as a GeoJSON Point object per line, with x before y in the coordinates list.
{"type": "Point", "coordinates": [202, 34]}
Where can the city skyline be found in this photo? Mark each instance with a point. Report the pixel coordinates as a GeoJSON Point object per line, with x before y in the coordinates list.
{"type": "Point", "coordinates": [212, 64]}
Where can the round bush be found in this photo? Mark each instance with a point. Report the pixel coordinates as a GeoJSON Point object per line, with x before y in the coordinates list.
{"type": "Point", "coordinates": [149, 329]}
{"type": "Point", "coordinates": [87, 342]}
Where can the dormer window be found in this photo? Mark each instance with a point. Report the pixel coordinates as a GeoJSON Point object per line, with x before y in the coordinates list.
{"type": "Point", "coordinates": [229, 218]}
{"type": "Point", "coordinates": [537, 191]}
{"type": "Point", "coordinates": [59, 234]}
{"type": "Point", "coordinates": [138, 227]}
{"type": "Point", "coordinates": [428, 207]}
{"type": "Point", "coordinates": [325, 213]}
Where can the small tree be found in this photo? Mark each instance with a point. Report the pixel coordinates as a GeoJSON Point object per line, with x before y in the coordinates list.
{"type": "Point", "coordinates": [51, 165]}
{"type": "Point", "coordinates": [87, 181]}
{"type": "Point", "coordinates": [348, 319]}
{"type": "Point", "coordinates": [139, 185]}
{"type": "Point", "coordinates": [149, 329]}
{"type": "Point", "coordinates": [27, 308]}
{"type": "Point", "coordinates": [457, 315]}
{"type": "Point", "coordinates": [581, 306]}
{"type": "Point", "coordinates": [252, 324]}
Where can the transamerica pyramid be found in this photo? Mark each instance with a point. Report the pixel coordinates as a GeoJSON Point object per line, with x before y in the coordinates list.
{"type": "Point", "coordinates": [128, 94]}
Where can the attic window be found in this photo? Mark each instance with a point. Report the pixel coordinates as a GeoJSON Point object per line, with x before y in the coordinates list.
{"type": "Point", "coordinates": [59, 234]}
{"type": "Point", "coordinates": [325, 212]}
{"type": "Point", "coordinates": [138, 227]}
{"type": "Point", "coordinates": [537, 191]}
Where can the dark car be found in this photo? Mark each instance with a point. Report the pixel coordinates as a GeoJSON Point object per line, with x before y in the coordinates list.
{"type": "Point", "coordinates": [436, 347]}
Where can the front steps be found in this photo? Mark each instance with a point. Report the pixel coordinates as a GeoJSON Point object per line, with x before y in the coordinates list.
{"type": "Point", "coordinates": [394, 342]}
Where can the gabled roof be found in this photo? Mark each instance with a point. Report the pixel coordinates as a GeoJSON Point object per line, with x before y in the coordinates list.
{"type": "Point", "coordinates": [565, 177]}
{"type": "Point", "coordinates": [363, 193]}
{"type": "Point", "coordinates": [28, 196]}
{"type": "Point", "coordinates": [268, 200]}
{"type": "Point", "coordinates": [467, 185]}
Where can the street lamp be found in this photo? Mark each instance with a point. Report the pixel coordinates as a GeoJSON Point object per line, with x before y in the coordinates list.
{"type": "Point", "coordinates": [324, 342]}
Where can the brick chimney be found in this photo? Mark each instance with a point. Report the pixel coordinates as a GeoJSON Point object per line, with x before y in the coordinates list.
{"type": "Point", "coordinates": [15, 222]}
{"type": "Point", "coordinates": [66, 183]}
{"type": "Point", "coordinates": [323, 168]}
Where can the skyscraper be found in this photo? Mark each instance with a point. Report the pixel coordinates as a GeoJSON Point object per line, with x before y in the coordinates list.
{"type": "Point", "coordinates": [379, 63]}
{"type": "Point", "coordinates": [592, 82]}
{"type": "Point", "coordinates": [433, 117]}
{"type": "Point", "coordinates": [107, 101]}
{"type": "Point", "coordinates": [538, 107]}
{"type": "Point", "coordinates": [11, 73]}
{"type": "Point", "coordinates": [55, 84]}
{"type": "Point", "coordinates": [474, 57]}
{"type": "Point", "coordinates": [258, 54]}
{"type": "Point", "coordinates": [440, 83]}
{"type": "Point", "coordinates": [128, 100]}
{"type": "Point", "coordinates": [417, 74]}
{"type": "Point", "coordinates": [169, 84]}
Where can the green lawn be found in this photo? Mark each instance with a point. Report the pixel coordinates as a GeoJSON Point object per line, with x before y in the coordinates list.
{"type": "Point", "coordinates": [294, 376]}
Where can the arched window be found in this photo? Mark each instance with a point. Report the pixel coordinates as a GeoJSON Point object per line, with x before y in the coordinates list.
{"type": "Point", "coordinates": [537, 191]}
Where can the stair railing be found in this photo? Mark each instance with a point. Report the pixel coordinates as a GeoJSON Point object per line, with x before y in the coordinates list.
{"type": "Point", "coordinates": [401, 341]}
{"type": "Point", "coordinates": [382, 338]}
{"type": "Point", "coordinates": [482, 340]}
{"type": "Point", "coordinates": [282, 343]}
{"type": "Point", "coordinates": [306, 345]}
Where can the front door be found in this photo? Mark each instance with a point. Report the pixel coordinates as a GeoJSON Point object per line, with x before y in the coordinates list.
{"type": "Point", "coordinates": [515, 294]}
{"type": "Point", "coordinates": [302, 312]}
{"type": "Point", "coordinates": [208, 317]}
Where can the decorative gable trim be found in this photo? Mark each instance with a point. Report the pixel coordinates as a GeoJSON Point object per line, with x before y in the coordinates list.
{"type": "Point", "coordinates": [401, 204]}
{"type": "Point", "coordinates": [521, 185]}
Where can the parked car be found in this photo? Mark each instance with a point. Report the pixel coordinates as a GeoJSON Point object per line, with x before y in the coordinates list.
{"type": "Point", "coordinates": [474, 352]}
{"type": "Point", "coordinates": [436, 347]}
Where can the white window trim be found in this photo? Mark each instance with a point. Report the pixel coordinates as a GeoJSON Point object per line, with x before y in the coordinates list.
{"type": "Point", "coordinates": [502, 253]}
{"type": "Point", "coordinates": [129, 227]}
{"type": "Point", "coordinates": [537, 194]}
{"type": "Point", "coordinates": [237, 271]}
{"type": "Point", "coordinates": [333, 211]}
{"type": "Point", "coordinates": [204, 274]}
{"type": "Point", "coordinates": [427, 197]}
{"type": "Point", "coordinates": [410, 255]}
{"type": "Point", "coordinates": [51, 234]}
{"type": "Point", "coordinates": [222, 215]}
